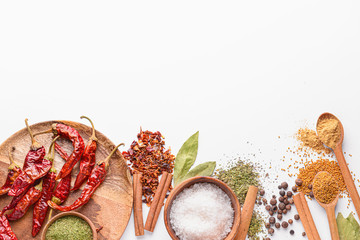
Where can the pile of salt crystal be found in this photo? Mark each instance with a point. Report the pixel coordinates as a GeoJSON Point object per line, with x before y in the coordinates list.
{"type": "Point", "coordinates": [202, 211]}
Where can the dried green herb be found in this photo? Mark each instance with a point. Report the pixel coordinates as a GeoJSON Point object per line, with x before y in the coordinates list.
{"type": "Point", "coordinates": [349, 228]}
{"type": "Point", "coordinates": [185, 159]}
{"type": "Point", "coordinates": [239, 176]}
{"type": "Point", "coordinates": [69, 227]}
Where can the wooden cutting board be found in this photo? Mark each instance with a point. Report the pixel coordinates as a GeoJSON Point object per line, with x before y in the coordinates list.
{"type": "Point", "coordinates": [111, 205]}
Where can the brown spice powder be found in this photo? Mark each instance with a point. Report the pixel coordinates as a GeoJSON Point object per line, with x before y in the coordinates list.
{"type": "Point", "coordinates": [325, 187]}
{"type": "Point", "coordinates": [309, 138]}
{"type": "Point", "coordinates": [329, 132]}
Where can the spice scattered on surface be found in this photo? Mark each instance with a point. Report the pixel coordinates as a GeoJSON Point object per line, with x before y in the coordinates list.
{"type": "Point", "coordinates": [309, 138]}
{"type": "Point", "coordinates": [325, 187]}
{"type": "Point", "coordinates": [149, 157]}
{"type": "Point", "coordinates": [239, 176]}
{"type": "Point", "coordinates": [308, 174]}
{"type": "Point", "coordinates": [328, 129]}
{"type": "Point", "coordinates": [202, 211]}
{"type": "Point", "coordinates": [69, 228]}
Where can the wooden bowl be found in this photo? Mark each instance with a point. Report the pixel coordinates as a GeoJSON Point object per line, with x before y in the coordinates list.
{"type": "Point", "coordinates": [187, 183]}
{"type": "Point", "coordinates": [53, 219]}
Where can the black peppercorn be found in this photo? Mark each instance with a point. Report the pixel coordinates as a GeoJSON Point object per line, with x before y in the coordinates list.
{"type": "Point", "coordinates": [288, 207]}
{"type": "Point", "coordinates": [298, 182]}
{"type": "Point", "coordinates": [262, 192]}
{"type": "Point", "coordinates": [297, 217]}
{"type": "Point", "coordinates": [277, 225]}
{"type": "Point", "coordinates": [290, 221]}
{"type": "Point", "coordinates": [284, 185]}
{"type": "Point", "coordinates": [282, 193]}
{"type": "Point", "coordinates": [273, 196]}
{"type": "Point", "coordinates": [284, 211]}
{"type": "Point", "coordinates": [304, 234]}
{"type": "Point", "coordinates": [267, 207]}
{"type": "Point", "coordinates": [310, 186]}
{"type": "Point", "coordinates": [280, 211]}
{"type": "Point", "coordinates": [286, 202]}
{"type": "Point", "coordinates": [271, 231]}
{"type": "Point", "coordinates": [279, 216]}
{"type": "Point", "coordinates": [289, 194]}
{"type": "Point", "coordinates": [282, 206]}
{"type": "Point", "coordinates": [311, 194]}
{"type": "Point", "coordinates": [267, 225]}
{"type": "Point", "coordinates": [294, 189]}
{"type": "Point", "coordinates": [273, 201]}
{"type": "Point", "coordinates": [284, 224]}
{"type": "Point", "coordinates": [291, 201]}
{"type": "Point", "coordinates": [292, 232]}
{"type": "Point", "coordinates": [271, 213]}
{"type": "Point", "coordinates": [264, 200]}
{"type": "Point", "coordinates": [281, 199]}
{"type": "Point", "coordinates": [272, 220]}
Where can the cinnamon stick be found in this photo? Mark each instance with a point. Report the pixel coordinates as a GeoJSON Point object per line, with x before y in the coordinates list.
{"type": "Point", "coordinates": [247, 212]}
{"type": "Point", "coordinates": [138, 213]}
{"type": "Point", "coordinates": [306, 217]}
{"type": "Point", "coordinates": [309, 217]}
{"type": "Point", "coordinates": [158, 201]}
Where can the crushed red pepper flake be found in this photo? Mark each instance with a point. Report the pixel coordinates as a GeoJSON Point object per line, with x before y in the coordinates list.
{"type": "Point", "coordinates": [148, 156]}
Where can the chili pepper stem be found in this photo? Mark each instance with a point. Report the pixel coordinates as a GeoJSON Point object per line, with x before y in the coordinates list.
{"type": "Point", "coordinates": [93, 137]}
{"type": "Point", "coordinates": [12, 162]}
{"type": "Point", "coordinates": [52, 154]}
{"type": "Point", "coordinates": [34, 145]}
{"type": "Point", "coordinates": [107, 159]}
{"type": "Point", "coordinates": [39, 186]}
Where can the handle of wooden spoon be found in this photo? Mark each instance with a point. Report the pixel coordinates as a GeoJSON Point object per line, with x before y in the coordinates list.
{"type": "Point", "coordinates": [330, 211]}
{"type": "Point", "coordinates": [350, 185]}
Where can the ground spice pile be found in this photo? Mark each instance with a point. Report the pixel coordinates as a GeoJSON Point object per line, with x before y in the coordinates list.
{"type": "Point", "coordinates": [329, 130]}
{"type": "Point", "coordinates": [239, 175]}
{"type": "Point", "coordinates": [325, 187]}
{"type": "Point", "coordinates": [148, 156]}
{"type": "Point", "coordinates": [69, 227]}
{"type": "Point", "coordinates": [309, 138]}
{"type": "Point", "coordinates": [307, 174]}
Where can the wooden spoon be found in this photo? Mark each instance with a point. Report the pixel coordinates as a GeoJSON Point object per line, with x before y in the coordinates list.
{"type": "Point", "coordinates": [350, 185]}
{"type": "Point", "coordinates": [330, 210]}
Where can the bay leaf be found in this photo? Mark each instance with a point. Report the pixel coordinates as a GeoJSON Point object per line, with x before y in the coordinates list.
{"type": "Point", "coordinates": [186, 157]}
{"type": "Point", "coordinates": [348, 228]}
{"type": "Point", "coordinates": [205, 169]}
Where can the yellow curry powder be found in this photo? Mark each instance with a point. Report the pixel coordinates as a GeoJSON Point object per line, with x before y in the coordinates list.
{"type": "Point", "coordinates": [325, 187]}
{"type": "Point", "coordinates": [329, 131]}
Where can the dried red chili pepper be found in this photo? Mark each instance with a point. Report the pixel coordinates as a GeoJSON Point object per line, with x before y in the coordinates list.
{"type": "Point", "coordinates": [87, 161]}
{"type": "Point", "coordinates": [41, 206]}
{"type": "Point", "coordinates": [13, 172]}
{"type": "Point", "coordinates": [6, 232]}
{"type": "Point", "coordinates": [36, 153]}
{"type": "Point", "coordinates": [148, 156]}
{"type": "Point", "coordinates": [78, 145]}
{"type": "Point", "coordinates": [29, 175]}
{"type": "Point", "coordinates": [14, 201]}
{"type": "Point", "coordinates": [97, 176]}
{"type": "Point", "coordinates": [62, 190]}
{"type": "Point", "coordinates": [31, 196]}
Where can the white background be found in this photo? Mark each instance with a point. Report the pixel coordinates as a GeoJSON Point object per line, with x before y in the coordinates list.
{"type": "Point", "coordinates": [236, 71]}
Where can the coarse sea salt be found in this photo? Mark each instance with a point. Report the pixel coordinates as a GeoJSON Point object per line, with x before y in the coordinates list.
{"type": "Point", "coordinates": [202, 211]}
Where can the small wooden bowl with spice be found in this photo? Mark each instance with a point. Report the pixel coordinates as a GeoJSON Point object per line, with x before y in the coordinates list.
{"type": "Point", "coordinates": [200, 199]}
{"type": "Point", "coordinates": [76, 220]}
